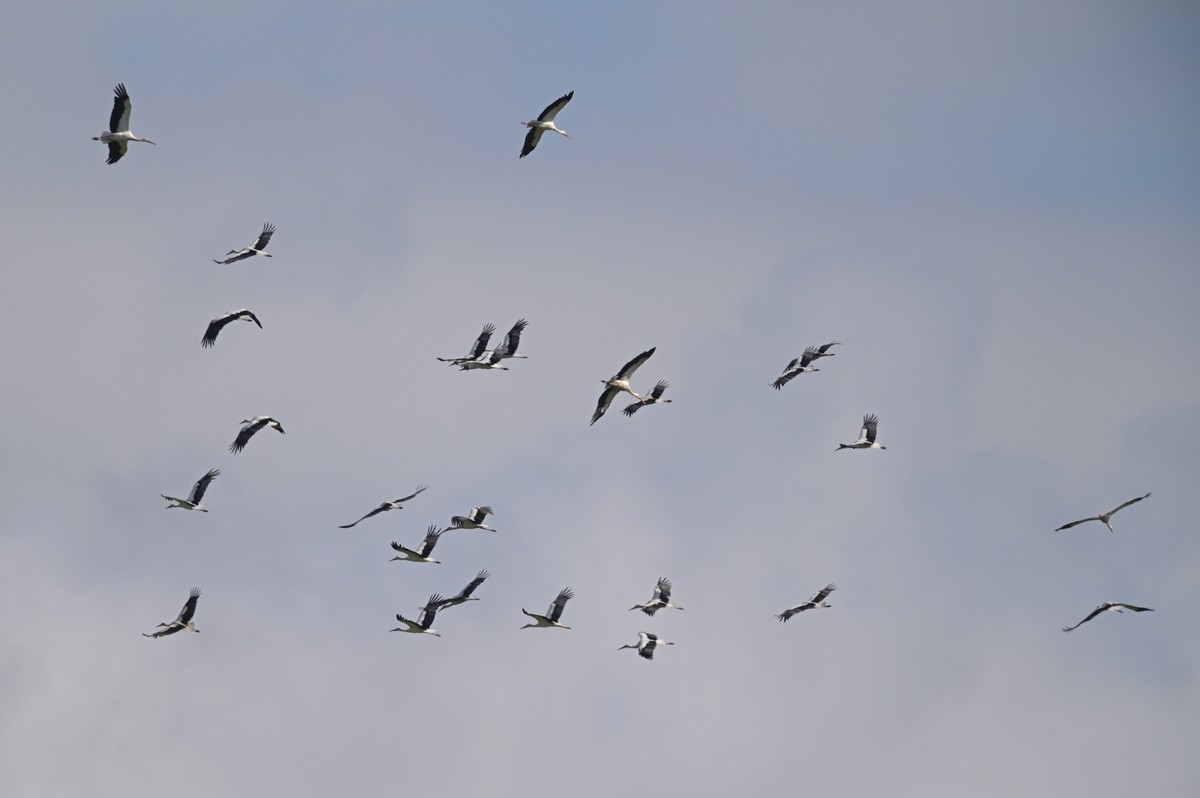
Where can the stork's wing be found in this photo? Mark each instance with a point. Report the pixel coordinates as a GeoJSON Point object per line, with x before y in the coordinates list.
{"type": "Point", "coordinates": [823, 593]}
{"type": "Point", "coordinates": [202, 485]}
{"type": "Point", "coordinates": [380, 509]}
{"type": "Point", "coordinates": [243, 437]}
{"type": "Point", "coordinates": [431, 538]}
{"type": "Point", "coordinates": [189, 607]}
{"type": "Point", "coordinates": [1077, 523]}
{"type": "Point", "coordinates": [659, 388]}
{"type": "Point", "coordinates": [646, 649]}
{"type": "Point", "coordinates": [170, 629]}
{"type": "Point", "coordinates": [870, 427]}
{"type": "Point", "coordinates": [482, 341]}
{"type": "Point", "coordinates": [406, 622]}
{"type": "Point", "coordinates": [119, 120]}
{"type": "Point", "coordinates": [810, 354]}
{"type": "Point", "coordinates": [1126, 504]}
{"type": "Point", "coordinates": [531, 140]}
{"type": "Point", "coordinates": [788, 375]}
{"type": "Point", "coordinates": [662, 591]}
{"type": "Point", "coordinates": [429, 610]}
{"type": "Point", "coordinates": [553, 108]}
{"type": "Point", "coordinates": [627, 370]}
{"type": "Point", "coordinates": [788, 613]}
{"type": "Point", "coordinates": [513, 338]}
{"type": "Point", "coordinates": [1092, 614]}
{"type": "Point", "coordinates": [633, 407]}
{"type": "Point", "coordinates": [1132, 608]}
{"type": "Point", "coordinates": [823, 349]}
{"type": "Point", "coordinates": [605, 400]}
{"type": "Point", "coordinates": [480, 513]}
{"type": "Point", "coordinates": [214, 328]}
{"type": "Point", "coordinates": [474, 583]}
{"type": "Point", "coordinates": [116, 150]}
{"type": "Point", "coordinates": [264, 237]}
{"type": "Point", "coordinates": [420, 489]}
{"type": "Point", "coordinates": [556, 608]}
{"type": "Point", "coordinates": [238, 254]}
{"type": "Point", "coordinates": [247, 314]}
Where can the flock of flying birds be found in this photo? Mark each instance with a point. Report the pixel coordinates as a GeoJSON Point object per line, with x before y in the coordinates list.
{"type": "Point", "coordinates": [118, 136]}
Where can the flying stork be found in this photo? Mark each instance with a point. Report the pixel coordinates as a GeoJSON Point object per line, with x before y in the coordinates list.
{"type": "Point", "coordinates": [473, 519]}
{"type": "Point", "coordinates": [192, 502]}
{"type": "Point", "coordinates": [512, 339]}
{"type": "Point", "coordinates": [394, 504]}
{"type": "Point", "coordinates": [816, 602]}
{"type": "Point", "coordinates": [800, 365]}
{"type": "Point", "coordinates": [488, 360]}
{"type": "Point", "coordinates": [257, 248]}
{"type": "Point", "coordinates": [654, 398]}
{"type": "Point", "coordinates": [422, 553]}
{"type": "Point", "coordinates": [1108, 606]}
{"type": "Point", "coordinates": [251, 426]}
{"type": "Point", "coordinates": [216, 325]}
{"type": "Point", "coordinates": [661, 599]}
{"type": "Point", "coordinates": [544, 122]}
{"type": "Point", "coordinates": [118, 136]}
{"type": "Point", "coordinates": [464, 595]}
{"type": "Point", "coordinates": [620, 382]}
{"type": "Point", "coordinates": [477, 349]}
{"type": "Point", "coordinates": [553, 614]}
{"type": "Point", "coordinates": [1105, 518]}
{"type": "Point", "coordinates": [646, 644]}
{"type": "Point", "coordinates": [424, 623]}
{"type": "Point", "coordinates": [184, 619]}
{"type": "Point", "coordinates": [866, 438]}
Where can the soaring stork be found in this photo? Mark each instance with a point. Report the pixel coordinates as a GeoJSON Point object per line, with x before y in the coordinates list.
{"type": "Point", "coordinates": [192, 502]}
{"type": "Point", "coordinates": [422, 553]}
{"type": "Point", "coordinates": [473, 519]}
{"type": "Point", "coordinates": [866, 438]}
{"type": "Point", "coordinates": [257, 248]}
{"type": "Point", "coordinates": [620, 382]}
{"type": "Point", "coordinates": [1105, 518]}
{"type": "Point", "coordinates": [477, 349]}
{"type": "Point", "coordinates": [512, 339]}
{"type": "Point", "coordinates": [464, 595]}
{"type": "Point", "coordinates": [799, 365]}
{"type": "Point", "coordinates": [251, 426]}
{"type": "Point", "coordinates": [814, 603]}
{"type": "Point", "coordinates": [424, 623]}
{"type": "Point", "coordinates": [183, 621]}
{"type": "Point", "coordinates": [118, 135]}
{"type": "Point", "coordinates": [1108, 606]}
{"type": "Point", "coordinates": [544, 122]}
{"type": "Point", "coordinates": [646, 644]}
{"type": "Point", "coordinates": [553, 614]}
{"type": "Point", "coordinates": [660, 601]}
{"type": "Point", "coordinates": [394, 504]}
{"type": "Point", "coordinates": [655, 398]}
{"type": "Point", "coordinates": [216, 325]}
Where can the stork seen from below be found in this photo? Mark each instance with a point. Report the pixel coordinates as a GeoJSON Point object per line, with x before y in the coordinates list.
{"type": "Point", "coordinates": [473, 519]}
{"type": "Point", "coordinates": [464, 595]}
{"type": "Point", "coordinates": [661, 599]}
{"type": "Point", "coordinates": [421, 553]}
{"type": "Point", "coordinates": [654, 398]}
{"type": "Point", "coordinates": [620, 382]}
{"type": "Point", "coordinates": [646, 644]}
{"type": "Point", "coordinates": [192, 502]}
{"type": "Point", "coordinates": [257, 248]}
{"type": "Point", "coordinates": [816, 602]}
{"type": "Point", "coordinates": [216, 325]}
{"type": "Point", "coordinates": [251, 426]}
{"type": "Point", "coordinates": [424, 623]}
{"type": "Point", "coordinates": [1105, 518]}
{"type": "Point", "coordinates": [544, 122]}
{"type": "Point", "coordinates": [394, 504]}
{"type": "Point", "coordinates": [550, 619]}
{"type": "Point", "coordinates": [866, 438]}
{"type": "Point", "coordinates": [118, 135]}
{"type": "Point", "coordinates": [183, 620]}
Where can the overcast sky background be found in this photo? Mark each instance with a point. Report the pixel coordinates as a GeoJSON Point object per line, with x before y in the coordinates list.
{"type": "Point", "coordinates": [995, 209]}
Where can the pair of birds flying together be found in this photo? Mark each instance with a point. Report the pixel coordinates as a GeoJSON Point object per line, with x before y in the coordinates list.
{"type": "Point", "coordinates": [815, 603]}
{"type": "Point", "coordinates": [800, 365]}
{"type": "Point", "coordinates": [480, 357]}
{"type": "Point", "coordinates": [620, 382]}
{"type": "Point", "coordinates": [424, 623]}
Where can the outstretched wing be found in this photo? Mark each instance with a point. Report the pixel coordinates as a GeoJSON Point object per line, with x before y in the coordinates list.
{"type": "Point", "coordinates": [202, 485]}
{"type": "Point", "coordinates": [788, 375]}
{"type": "Point", "coordinates": [244, 436]}
{"type": "Point", "coordinates": [870, 427]}
{"type": "Point", "coordinates": [1077, 523]}
{"type": "Point", "coordinates": [380, 509]}
{"type": "Point", "coordinates": [482, 341]}
{"type": "Point", "coordinates": [783, 616]}
{"type": "Point", "coordinates": [214, 328]}
{"type": "Point", "coordinates": [659, 388]}
{"type": "Point", "coordinates": [531, 141]}
{"type": "Point", "coordinates": [1092, 614]}
{"type": "Point", "coordinates": [431, 538]}
{"type": "Point", "coordinates": [823, 349]}
{"type": "Point", "coordinates": [189, 607]}
{"type": "Point", "coordinates": [662, 590]}
{"type": "Point", "coordinates": [556, 608]}
{"type": "Point", "coordinates": [480, 513]}
{"type": "Point", "coordinates": [1132, 608]}
{"type": "Point", "coordinates": [823, 593]}
{"type": "Point", "coordinates": [264, 237]}
{"type": "Point", "coordinates": [1126, 504]}
{"type": "Point", "coordinates": [627, 370]}
{"type": "Point", "coordinates": [119, 119]}
{"type": "Point", "coordinates": [512, 338]}
{"type": "Point", "coordinates": [553, 108]}
{"type": "Point", "coordinates": [117, 150]}
{"type": "Point", "coordinates": [479, 579]}
{"type": "Point", "coordinates": [810, 354]}
{"type": "Point", "coordinates": [605, 400]}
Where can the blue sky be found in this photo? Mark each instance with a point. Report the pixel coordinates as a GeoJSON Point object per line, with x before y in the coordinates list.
{"type": "Point", "coordinates": [993, 207]}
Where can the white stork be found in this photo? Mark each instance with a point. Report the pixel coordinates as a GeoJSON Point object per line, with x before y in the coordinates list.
{"type": "Point", "coordinates": [464, 595]}
{"type": "Point", "coordinates": [866, 438]}
{"type": "Point", "coordinates": [655, 398]}
{"type": "Point", "coordinates": [118, 135]}
{"type": "Point", "coordinates": [814, 603]}
{"type": "Point", "coordinates": [257, 248]}
{"type": "Point", "coordinates": [421, 554]}
{"type": "Point", "coordinates": [512, 339]}
{"type": "Point", "coordinates": [473, 519]}
{"type": "Point", "coordinates": [216, 325]}
{"type": "Point", "coordinates": [424, 623]}
{"type": "Point", "coordinates": [1108, 606]}
{"type": "Point", "coordinates": [192, 502]}
{"type": "Point", "coordinates": [394, 504]}
{"type": "Point", "coordinates": [544, 122]}
{"type": "Point", "coordinates": [620, 382]}
{"type": "Point", "coordinates": [184, 619]}
{"type": "Point", "coordinates": [646, 644]}
{"type": "Point", "coordinates": [251, 426]}
{"type": "Point", "coordinates": [553, 614]}
{"type": "Point", "coordinates": [477, 349]}
{"type": "Point", "coordinates": [660, 601]}
{"type": "Point", "coordinates": [799, 365]}
{"type": "Point", "coordinates": [1105, 518]}
{"type": "Point", "coordinates": [488, 360]}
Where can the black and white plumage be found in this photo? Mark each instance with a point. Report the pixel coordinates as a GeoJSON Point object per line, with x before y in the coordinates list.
{"type": "Point", "coordinates": [118, 136]}
{"type": "Point", "coordinates": [421, 553]}
{"type": "Point", "coordinates": [488, 360]}
{"type": "Point", "coordinates": [816, 602]}
{"type": "Point", "coordinates": [257, 248]}
{"type": "Point", "coordinates": [1108, 606]}
{"type": "Point", "coordinates": [512, 340]}
{"type": "Point", "coordinates": [192, 502]}
{"type": "Point", "coordinates": [473, 519]}
{"type": "Point", "coordinates": [620, 382]}
{"type": "Point", "coordinates": [660, 601]}
{"type": "Point", "coordinates": [394, 504]}
{"type": "Point", "coordinates": [464, 595]}
{"type": "Point", "coordinates": [424, 623]}
{"type": "Point", "coordinates": [654, 398]}
{"type": "Point", "coordinates": [1105, 518]}
{"type": "Point", "coordinates": [544, 122]}
{"type": "Point", "coordinates": [216, 325]}
{"type": "Point", "coordinates": [866, 437]}
{"type": "Point", "coordinates": [646, 644]}
{"type": "Point", "coordinates": [799, 365]}
{"type": "Point", "coordinates": [184, 619]}
{"type": "Point", "coordinates": [477, 348]}
{"type": "Point", "coordinates": [251, 426]}
{"type": "Point", "coordinates": [553, 614]}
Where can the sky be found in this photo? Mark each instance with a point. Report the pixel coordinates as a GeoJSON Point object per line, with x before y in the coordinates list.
{"type": "Point", "coordinates": [993, 206]}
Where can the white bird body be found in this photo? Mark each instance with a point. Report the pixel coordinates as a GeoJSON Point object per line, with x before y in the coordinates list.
{"type": "Point", "coordinates": [420, 554]}
{"type": "Point", "coordinates": [646, 644]}
{"type": "Point", "coordinates": [257, 248]}
{"type": "Point", "coordinates": [551, 618]}
{"type": "Point", "coordinates": [814, 603]}
{"type": "Point", "coordinates": [251, 426]}
{"type": "Point", "coordinates": [473, 519]}
{"type": "Point", "coordinates": [216, 325]}
{"type": "Point", "coordinates": [424, 623]}
{"type": "Point", "coordinates": [544, 122]}
{"type": "Point", "coordinates": [660, 601]}
{"type": "Point", "coordinates": [394, 504]}
{"type": "Point", "coordinates": [620, 382]}
{"type": "Point", "coordinates": [183, 621]}
{"type": "Point", "coordinates": [1105, 518]}
{"type": "Point", "coordinates": [866, 437]}
{"type": "Point", "coordinates": [192, 502]}
{"type": "Point", "coordinates": [118, 135]}
{"type": "Point", "coordinates": [1108, 606]}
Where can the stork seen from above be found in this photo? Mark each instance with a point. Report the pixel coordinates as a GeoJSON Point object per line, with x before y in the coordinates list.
{"type": "Point", "coordinates": [216, 325]}
{"type": "Point", "coordinates": [118, 135]}
{"type": "Point", "coordinates": [1108, 606]}
{"type": "Point", "coordinates": [251, 426]}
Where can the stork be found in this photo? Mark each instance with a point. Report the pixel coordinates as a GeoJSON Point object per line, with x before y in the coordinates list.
{"type": "Point", "coordinates": [816, 602]}
{"type": "Point", "coordinates": [544, 122]}
{"type": "Point", "coordinates": [646, 644]}
{"type": "Point", "coordinates": [512, 339]}
{"type": "Point", "coordinates": [799, 365]}
{"type": "Point", "coordinates": [553, 614]}
{"type": "Point", "coordinates": [421, 554]}
{"type": "Point", "coordinates": [251, 426]}
{"type": "Point", "coordinates": [118, 135]}
{"type": "Point", "coordinates": [1105, 518]}
{"type": "Point", "coordinates": [477, 349]}
{"type": "Point", "coordinates": [866, 438]}
{"type": "Point", "coordinates": [464, 595]}
{"type": "Point", "coordinates": [257, 248]}
{"type": "Point", "coordinates": [655, 398]}
{"type": "Point", "coordinates": [1108, 606]}
{"type": "Point", "coordinates": [620, 382]}
{"type": "Point", "coordinates": [473, 519]}
{"type": "Point", "coordinates": [661, 599]}
{"type": "Point", "coordinates": [192, 502]}
{"type": "Point", "coordinates": [183, 620]}
{"type": "Point", "coordinates": [488, 360]}
{"type": "Point", "coordinates": [216, 325]}
{"type": "Point", "coordinates": [424, 623]}
{"type": "Point", "coordinates": [394, 504]}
